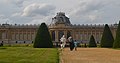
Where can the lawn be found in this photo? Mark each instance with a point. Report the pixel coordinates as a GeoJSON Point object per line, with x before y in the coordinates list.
{"type": "Point", "coordinates": [28, 55]}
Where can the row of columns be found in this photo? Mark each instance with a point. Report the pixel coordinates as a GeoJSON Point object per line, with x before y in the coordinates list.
{"type": "Point", "coordinates": [16, 35]}
{"type": "Point", "coordinates": [86, 35]}
{"type": "Point", "coordinates": [22, 36]}
{"type": "Point", "coordinates": [57, 34]}
{"type": "Point", "coordinates": [79, 35]}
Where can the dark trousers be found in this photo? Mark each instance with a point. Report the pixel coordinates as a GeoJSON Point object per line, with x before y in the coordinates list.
{"type": "Point", "coordinates": [71, 46]}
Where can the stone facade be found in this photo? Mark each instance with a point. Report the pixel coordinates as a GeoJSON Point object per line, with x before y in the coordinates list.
{"type": "Point", "coordinates": [11, 34]}
{"type": "Point", "coordinates": [60, 25]}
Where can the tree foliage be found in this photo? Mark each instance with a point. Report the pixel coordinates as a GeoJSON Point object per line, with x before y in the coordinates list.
{"type": "Point", "coordinates": [43, 38]}
{"type": "Point", "coordinates": [116, 43]}
{"type": "Point", "coordinates": [92, 42]}
{"type": "Point", "coordinates": [107, 38]}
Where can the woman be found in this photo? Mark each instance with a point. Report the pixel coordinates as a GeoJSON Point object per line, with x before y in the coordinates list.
{"type": "Point", "coordinates": [63, 42]}
{"type": "Point", "coordinates": [70, 39]}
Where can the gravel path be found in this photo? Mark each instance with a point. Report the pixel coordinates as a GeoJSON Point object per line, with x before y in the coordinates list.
{"type": "Point", "coordinates": [90, 55]}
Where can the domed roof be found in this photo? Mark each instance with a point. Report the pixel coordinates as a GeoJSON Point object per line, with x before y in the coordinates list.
{"type": "Point", "coordinates": [60, 18]}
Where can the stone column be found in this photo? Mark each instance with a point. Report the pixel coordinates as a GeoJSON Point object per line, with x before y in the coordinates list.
{"type": "Point", "coordinates": [22, 35]}
{"type": "Point", "coordinates": [9, 36]}
{"type": "Point", "coordinates": [95, 34]}
{"type": "Point", "coordinates": [18, 35]}
{"type": "Point", "coordinates": [31, 36]}
{"type": "Point", "coordinates": [56, 36]}
{"type": "Point", "coordinates": [15, 36]}
{"type": "Point", "coordinates": [78, 34]}
{"type": "Point", "coordinates": [65, 33]}
{"type": "Point", "coordinates": [73, 34]}
{"type": "Point", "coordinates": [99, 36]}
{"type": "Point", "coordinates": [87, 35]}
{"type": "Point", "coordinates": [83, 35]}
{"type": "Point", "coordinates": [27, 35]}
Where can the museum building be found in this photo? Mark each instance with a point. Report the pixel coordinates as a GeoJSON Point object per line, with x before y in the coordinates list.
{"type": "Point", "coordinates": [60, 25]}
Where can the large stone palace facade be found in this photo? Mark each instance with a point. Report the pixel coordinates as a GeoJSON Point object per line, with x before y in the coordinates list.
{"type": "Point", "coordinates": [60, 25]}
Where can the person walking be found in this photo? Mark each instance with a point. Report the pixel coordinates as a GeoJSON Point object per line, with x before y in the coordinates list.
{"type": "Point", "coordinates": [63, 42]}
{"type": "Point", "coordinates": [71, 41]}
{"type": "Point", "coordinates": [75, 44]}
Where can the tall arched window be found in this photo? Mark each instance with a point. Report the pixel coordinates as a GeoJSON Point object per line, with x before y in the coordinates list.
{"type": "Point", "coordinates": [68, 34]}
{"type": "Point", "coordinates": [60, 34]}
{"type": "Point", "coordinates": [53, 35]}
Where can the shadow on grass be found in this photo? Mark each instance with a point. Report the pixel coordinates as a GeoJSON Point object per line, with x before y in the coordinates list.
{"type": "Point", "coordinates": [2, 48]}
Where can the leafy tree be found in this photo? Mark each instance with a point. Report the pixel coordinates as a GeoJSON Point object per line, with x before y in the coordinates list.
{"type": "Point", "coordinates": [43, 38]}
{"type": "Point", "coordinates": [116, 43]}
{"type": "Point", "coordinates": [107, 38]}
{"type": "Point", "coordinates": [92, 42]}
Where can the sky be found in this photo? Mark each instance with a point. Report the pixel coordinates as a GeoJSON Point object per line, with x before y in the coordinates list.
{"type": "Point", "coordinates": [79, 11]}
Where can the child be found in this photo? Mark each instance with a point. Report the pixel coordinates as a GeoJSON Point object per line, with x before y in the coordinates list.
{"type": "Point", "coordinates": [75, 44]}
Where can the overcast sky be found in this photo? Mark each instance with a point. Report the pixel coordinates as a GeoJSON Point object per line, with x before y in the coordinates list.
{"type": "Point", "coordinates": [79, 11]}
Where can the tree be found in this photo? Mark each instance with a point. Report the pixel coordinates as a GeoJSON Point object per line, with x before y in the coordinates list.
{"type": "Point", "coordinates": [107, 37]}
{"type": "Point", "coordinates": [92, 42]}
{"type": "Point", "coordinates": [116, 43]}
{"type": "Point", "coordinates": [43, 38]}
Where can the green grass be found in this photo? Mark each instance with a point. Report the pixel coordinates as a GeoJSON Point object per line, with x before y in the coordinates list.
{"type": "Point", "coordinates": [18, 45]}
{"type": "Point", "coordinates": [116, 48]}
{"type": "Point", "coordinates": [28, 55]}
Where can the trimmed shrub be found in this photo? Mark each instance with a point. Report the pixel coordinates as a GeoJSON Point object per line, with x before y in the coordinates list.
{"type": "Point", "coordinates": [107, 38]}
{"type": "Point", "coordinates": [92, 42]}
{"type": "Point", "coordinates": [43, 38]}
{"type": "Point", "coordinates": [116, 43]}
